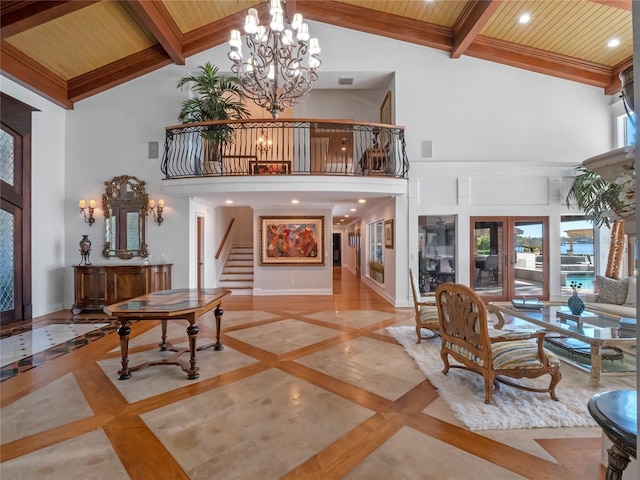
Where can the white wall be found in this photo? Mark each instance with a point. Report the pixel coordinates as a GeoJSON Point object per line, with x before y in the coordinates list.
{"type": "Point", "coordinates": [363, 105]}
{"type": "Point", "coordinates": [49, 258]}
{"type": "Point", "coordinates": [485, 120]}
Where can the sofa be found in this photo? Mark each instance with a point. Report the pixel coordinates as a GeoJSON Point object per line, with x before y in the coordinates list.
{"type": "Point", "coordinates": [615, 297]}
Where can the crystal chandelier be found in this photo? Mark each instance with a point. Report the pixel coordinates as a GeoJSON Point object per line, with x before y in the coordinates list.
{"type": "Point", "coordinates": [264, 143]}
{"type": "Point", "coordinates": [274, 75]}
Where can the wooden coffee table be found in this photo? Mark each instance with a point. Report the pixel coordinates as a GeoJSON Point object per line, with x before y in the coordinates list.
{"type": "Point", "coordinates": [599, 332]}
{"type": "Point", "coordinates": [179, 304]}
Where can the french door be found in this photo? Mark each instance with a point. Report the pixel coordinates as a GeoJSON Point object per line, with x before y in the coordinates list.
{"type": "Point", "coordinates": [510, 257]}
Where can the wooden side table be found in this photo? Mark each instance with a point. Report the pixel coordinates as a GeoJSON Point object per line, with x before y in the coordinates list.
{"type": "Point", "coordinates": [180, 304]}
{"type": "Point", "coordinates": [617, 413]}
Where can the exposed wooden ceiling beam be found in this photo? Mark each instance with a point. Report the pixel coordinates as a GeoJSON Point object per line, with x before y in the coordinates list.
{"type": "Point", "coordinates": [18, 16]}
{"type": "Point", "coordinates": [117, 73]}
{"type": "Point", "coordinates": [155, 16]}
{"type": "Point", "coordinates": [377, 23]}
{"type": "Point", "coordinates": [621, 4]}
{"type": "Point", "coordinates": [33, 76]}
{"type": "Point", "coordinates": [540, 61]}
{"type": "Point", "coordinates": [472, 20]}
{"type": "Point", "coordinates": [216, 33]}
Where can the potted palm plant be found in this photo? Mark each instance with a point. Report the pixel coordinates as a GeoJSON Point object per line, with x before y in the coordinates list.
{"type": "Point", "coordinates": [216, 98]}
{"type": "Point", "coordinates": [595, 196]}
{"type": "Point", "coordinates": [607, 203]}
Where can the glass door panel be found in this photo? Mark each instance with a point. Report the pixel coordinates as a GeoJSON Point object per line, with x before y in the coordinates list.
{"type": "Point", "coordinates": [509, 257]}
{"type": "Point", "coordinates": [529, 258]}
{"type": "Point", "coordinates": [488, 244]}
{"type": "Point", "coordinates": [437, 251]}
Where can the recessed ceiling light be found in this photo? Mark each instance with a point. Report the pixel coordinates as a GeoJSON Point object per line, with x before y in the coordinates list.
{"type": "Point", "coordinates": [614, 42]}
{"type": "Point", "coordinates": [524, 18]}
{"type": "Point", "coordinates": [352, 210]}
{"type": "Point", "coordinates": [346, 216]}
{"type": "Point", "coordinates": [228, 201]}
{"type": "Point", "coordinates": [294, 201]}
{"type": "Point", "coordinates": [362, 200]}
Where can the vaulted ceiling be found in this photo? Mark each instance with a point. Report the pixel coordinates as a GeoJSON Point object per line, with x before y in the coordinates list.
{"type": "Point", "coordinates": [69, 50]}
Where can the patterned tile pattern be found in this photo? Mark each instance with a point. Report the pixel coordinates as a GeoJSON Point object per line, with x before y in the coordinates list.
{"type": "Point", "coordinates": [99, 328]}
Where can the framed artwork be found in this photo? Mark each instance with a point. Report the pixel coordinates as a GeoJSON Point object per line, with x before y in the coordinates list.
{"type": "Point", "coordinates": [388, 233]}
{"type": "Point", "coordinates": [292, 240]}
{"type": "Point", "coordinates": [269, 167]}
{"type": "Point", "coordinates": [352, 239]}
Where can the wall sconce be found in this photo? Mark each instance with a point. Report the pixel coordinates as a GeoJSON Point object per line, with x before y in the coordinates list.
{"type": "Point", "coordinates": [83, 209]}
{"type": "Point", "coordinates": [156, 210]}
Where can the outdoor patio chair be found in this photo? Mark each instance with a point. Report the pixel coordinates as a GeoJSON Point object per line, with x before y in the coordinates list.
{"type": "Point", "coordinates": [490, 265]}
{"type": "Point", "coordinates": [425, 309]}
{"type": "Point", "coordinates": [465, 336]}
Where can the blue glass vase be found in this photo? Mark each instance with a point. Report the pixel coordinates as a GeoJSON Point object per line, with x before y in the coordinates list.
{"type": "Point", "coordinates": [575, 304]}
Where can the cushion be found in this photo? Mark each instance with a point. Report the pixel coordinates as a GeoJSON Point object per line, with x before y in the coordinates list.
{"type": "Point", "coordinates": [611, 290]}
{"type": "Point", "coordinates": [428, 314]}
{"type": "Point", "coordinates": [631, 293]}
{"type": "Point", "coordinates": [519, 354]}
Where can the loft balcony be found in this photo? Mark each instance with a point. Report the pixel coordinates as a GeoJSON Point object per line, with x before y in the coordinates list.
{"type": "Point", "coordinates": [284, 147]}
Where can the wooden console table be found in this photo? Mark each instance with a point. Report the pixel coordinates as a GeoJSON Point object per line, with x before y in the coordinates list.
{"type": "Point", "coordinates": [181, 304]}
{"type": "Point", "coordinates": [97, 286]}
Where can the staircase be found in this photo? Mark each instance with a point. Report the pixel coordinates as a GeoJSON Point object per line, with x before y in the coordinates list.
{"type": "Point", "coordinates": [237, 274]}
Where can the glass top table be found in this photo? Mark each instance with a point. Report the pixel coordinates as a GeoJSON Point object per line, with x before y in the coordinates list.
{"type": "Point", "coordinates": [594, 329]}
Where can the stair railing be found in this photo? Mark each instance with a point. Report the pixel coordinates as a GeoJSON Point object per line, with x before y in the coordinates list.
{"type": "Point", "coordinates": [224, 239]}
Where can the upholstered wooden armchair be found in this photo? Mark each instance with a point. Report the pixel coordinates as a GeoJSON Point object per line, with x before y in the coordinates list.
{"type": "Point", "coordinates": [465, 336]}
{"type": "Point", "coordinates": [426, 310]}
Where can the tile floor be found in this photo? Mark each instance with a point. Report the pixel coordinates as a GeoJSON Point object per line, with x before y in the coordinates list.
{"type": "Point", "coordinates": [308, 391]}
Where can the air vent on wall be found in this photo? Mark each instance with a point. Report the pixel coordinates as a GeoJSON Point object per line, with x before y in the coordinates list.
{"type": "Point", "coordinates": [345, 80]}
{"type": "Point", "coordinates": [427, 149]}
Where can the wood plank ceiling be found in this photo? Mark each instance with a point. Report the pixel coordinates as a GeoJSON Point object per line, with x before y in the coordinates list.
{"type": "Point", "coordinates": [69, 50]}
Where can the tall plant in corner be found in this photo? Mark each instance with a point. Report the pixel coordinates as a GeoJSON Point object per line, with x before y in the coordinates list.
{"type": "Point", "coordinates": [216, 98]}
{"type": "Point", "coordinates": [595, 196]}
{"type": "Point", "coordinates": [601, 200]}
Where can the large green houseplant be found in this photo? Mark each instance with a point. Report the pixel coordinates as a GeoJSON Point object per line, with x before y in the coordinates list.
{"type": "Point", "coordinates": [216, 97]}
{"type": "Point", "coordinates": [607, 203]}
{"type": "Point", "coordinates": [595, 196]}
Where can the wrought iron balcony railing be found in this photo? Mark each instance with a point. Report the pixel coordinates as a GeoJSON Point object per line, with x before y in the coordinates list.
{"type": "Point", "coordinates": [284, 147]}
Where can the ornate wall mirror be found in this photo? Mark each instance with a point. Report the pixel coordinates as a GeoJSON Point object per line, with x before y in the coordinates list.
{"type": "Point", "coordinates": [125, 204]}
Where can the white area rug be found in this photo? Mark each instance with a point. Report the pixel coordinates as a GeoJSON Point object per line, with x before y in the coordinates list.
{"type": "Point", "coordinates": [511, 408]}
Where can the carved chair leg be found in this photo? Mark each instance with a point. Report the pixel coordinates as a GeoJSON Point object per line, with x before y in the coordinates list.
{"type": "Point", "coordinates": [555, 379]}
{"type": "Point", "coordinates": [445, 360]}
{"type": "Point", "coordinates": [488, 387]}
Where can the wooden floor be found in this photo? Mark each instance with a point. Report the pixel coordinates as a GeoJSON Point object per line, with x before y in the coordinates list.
{"type": "Point", "coordinates": [144, 456]}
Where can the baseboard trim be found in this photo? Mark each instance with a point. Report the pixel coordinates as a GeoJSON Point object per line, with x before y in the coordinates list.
{"type": "Point", "coordinates": [262, 292]}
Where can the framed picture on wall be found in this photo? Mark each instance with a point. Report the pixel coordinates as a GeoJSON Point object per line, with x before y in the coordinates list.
{"type": "Point", "coordinates": [288, 240]}
{"type": "Point", "coordinates": [261, 167]}
{"type": "Point", "coordinates": [388, 233]}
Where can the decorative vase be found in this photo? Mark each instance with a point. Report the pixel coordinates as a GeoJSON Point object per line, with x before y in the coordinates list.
{"type": "Point", "coordinates": [85, 250]}
{"type": "Point", "coordinates": [575, 304]}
